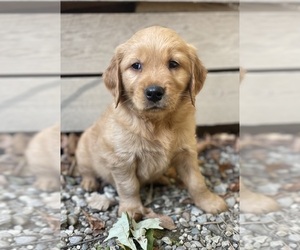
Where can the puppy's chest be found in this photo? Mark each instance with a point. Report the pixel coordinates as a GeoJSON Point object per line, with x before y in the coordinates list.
{"type": "Point", "coordinates": [152, 157]}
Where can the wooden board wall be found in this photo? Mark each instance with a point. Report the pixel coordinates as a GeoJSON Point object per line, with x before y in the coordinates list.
{"type": "Point", "coordinates": [84, 99]}
{"type": "Point", "coordinates": [262, 38]}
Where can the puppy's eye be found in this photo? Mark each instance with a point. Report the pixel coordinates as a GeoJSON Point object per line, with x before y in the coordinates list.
{"type": "Point", "coordinates": [136, 66]}
{"type": "Point", "coordinates": [173, 64]}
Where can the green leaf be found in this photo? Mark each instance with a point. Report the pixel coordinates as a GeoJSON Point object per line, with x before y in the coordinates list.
{"type": "Point", "coordinates": [120, 230]}
{"type": "Point", "coordinates": [150, 238]}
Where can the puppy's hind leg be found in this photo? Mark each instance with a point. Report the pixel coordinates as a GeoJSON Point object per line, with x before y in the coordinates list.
{"type": "Point", "coordinates": [89, 180]}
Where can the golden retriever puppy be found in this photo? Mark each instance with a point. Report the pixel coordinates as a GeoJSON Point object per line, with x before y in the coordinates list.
{"type": "Point", "coordinates": [154, 78]}
{"type": "Point", "coordinates": [43, 158]}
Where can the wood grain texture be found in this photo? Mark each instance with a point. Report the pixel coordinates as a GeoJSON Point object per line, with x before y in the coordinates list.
{"type": "Point", "coordinates": [88, 41]}
{"type": "Point", "coordinates": [270, 99]}
{"type": "Point", "coordinates": [196, 1]}
{"type": "Point", "coordinates": [83, 100]}
{"type": "Point", "coordinates": [30, 44]}
{"type": "Point", "coordinates": [30, 104]}
{"type": "Point", "coordinates": [270, 40]}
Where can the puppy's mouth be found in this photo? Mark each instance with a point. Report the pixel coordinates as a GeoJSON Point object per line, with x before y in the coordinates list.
{"type": "Point", "coordinates": [155, 107]}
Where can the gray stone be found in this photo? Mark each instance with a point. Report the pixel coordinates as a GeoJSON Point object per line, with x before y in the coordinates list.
{"type": "Point", "coordinates": [4, 244]}
{"type": "Point", "coordinates": [25, 239]}
{"type": "Point", "coordinates": [72, 219]}
{"type": "Point", "coordinates": [202, 219]}
{"type": "Point", "coordinates": [75, 239]}
{"type": "Point", "coordinates": [195, 231]}
{"type": "Point", "coordinates": [5, 219]}
{"type": "Point", "coordinates": [285, 201]}
{"type": "Point", "coordinates": [294, 237]}
{"type": "Point", "coordinates": [236, 237]}
{"type": "Point", "coordinates": [260, 239]}
{"type": "Point", "coordinates": [230, 201]}
{"type": "Point", "coordinates": [221, 189]}
{"type": "Point", "coordinates": [282, 233]}
{"type": "Point", "coordinates": [277, 243]}
{"type": "Point", "coordinates": [183, 222]}
{"type": "Point", "coordinates": [20, 219]}
{"type": "Point", "coordinates": [47, 231]}
{"type": "Point", "coordinates": [269, 188]}
{"type": "Point", "coordinates": [293, 245]}
{"type": "Point", "coordinates": [225, 244]}
{"type": "Point", "coordinates": [196, 211]}
{"type": "Point", "coordinates": [187, 245]}
{"type": "Point", "coordinates": [248, 246]}
{"type": "Point", "coordinates": [167, 240]}
{"type": "Point", "coordinates": [40, 247]}
{"type": "Point", "coordinates": [88, 231]}
{"type": "Point", "coordinates": [5, 235]}
{"type": "Point", "coordinates": [216, 239]}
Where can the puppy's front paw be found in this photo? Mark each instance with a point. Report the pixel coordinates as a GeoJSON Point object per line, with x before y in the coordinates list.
{"type": "Point", "coordinates": [257, 203]}
{"type": "Point", "coordinates": [136, 212]}
{"type": "Point", "coordinates": [47, 183]}
{"type": "Point", "coordinates": [211, 203]}
{"type": "Point", "coordinates": [89, 183]}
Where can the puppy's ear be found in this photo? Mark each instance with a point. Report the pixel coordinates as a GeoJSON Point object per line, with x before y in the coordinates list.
{"type": "Point", "coordinates": [113, 79]}
{"type": "Point", "coordinates": [198, 75]}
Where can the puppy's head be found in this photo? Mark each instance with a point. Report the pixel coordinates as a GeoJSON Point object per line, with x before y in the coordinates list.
{"type": "Point", "coordinates": [154, 71]}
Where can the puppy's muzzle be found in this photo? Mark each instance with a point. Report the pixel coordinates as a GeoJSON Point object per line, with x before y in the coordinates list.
{"type": "Point", "coordinates": [154, 93]}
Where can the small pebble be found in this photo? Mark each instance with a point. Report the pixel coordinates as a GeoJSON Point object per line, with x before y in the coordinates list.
{"type": "Point", "coordinates": [75, 239]}
{"type": "Point", "coordinates": [202, 219]}
{"type": "Point", "coordinates": [278, 243]}
{"type": "Point", "coordinates": [25, 239]}
{"type": "Point", "coordinates": [183, 222]}
{"type": "Point", "coordinates": [88, 231]}
{"type": "Point", "coordinates": [195, 231]}
{"type": "Point", "coordinates": [196, 211]}
{"type": "Point", "coordinates": [285, 202]}
{"type": "Point", "coordinates": [294, 237]}
{"type": "Point", "coordinates": [260, 239]}
{"type": "Point", "coordinates": [281, 233]}
{"type": "Point", "coordinates": [4, 244]}
{"type": "Point", "coordinates": [167, 240]}
{"type": "Point", "coordinates": [72, 219]}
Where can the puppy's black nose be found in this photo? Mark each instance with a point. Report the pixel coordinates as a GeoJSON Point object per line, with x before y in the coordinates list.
{"type": "Point", "coordinates": [154, 93]}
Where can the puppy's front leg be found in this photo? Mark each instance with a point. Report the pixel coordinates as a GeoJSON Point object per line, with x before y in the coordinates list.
{"type": "Point", "coordinates": [188, 170]}
{"type": "Point", "coordinates": [128, 188]}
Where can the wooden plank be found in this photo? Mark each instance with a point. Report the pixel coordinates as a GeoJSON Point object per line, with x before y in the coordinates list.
{"type": "Point", "coordinates": [270, 40]}
{"type": "Point", "coordinates": [270, 98]}
{"type": "Point", "coordinates": [88, 40]}
{"type": "Point", "coordinates": [196, 1]}
{"type": "Point", "coordinates": [30, 43]}
{"type": "Point", "coordinates": [83, 100]}
{"type": "Point", "coordinates": [162, 1]}
{"type": "Point", "coordinates": [29, 104]}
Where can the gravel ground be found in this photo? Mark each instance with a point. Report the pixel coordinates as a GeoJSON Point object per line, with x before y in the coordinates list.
{"type": "Point", "coordinates": [194, 229]}
{"type": "Point", "coordinates": [270, 164]}
{"type": "Point", "coordinates": [32, 219]}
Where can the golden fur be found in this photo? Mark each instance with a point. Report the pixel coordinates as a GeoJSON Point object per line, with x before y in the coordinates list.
{"type": "Point", "coordinates": [43, 158]}
{"type": "Point", "coordinates": [136, 140]}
